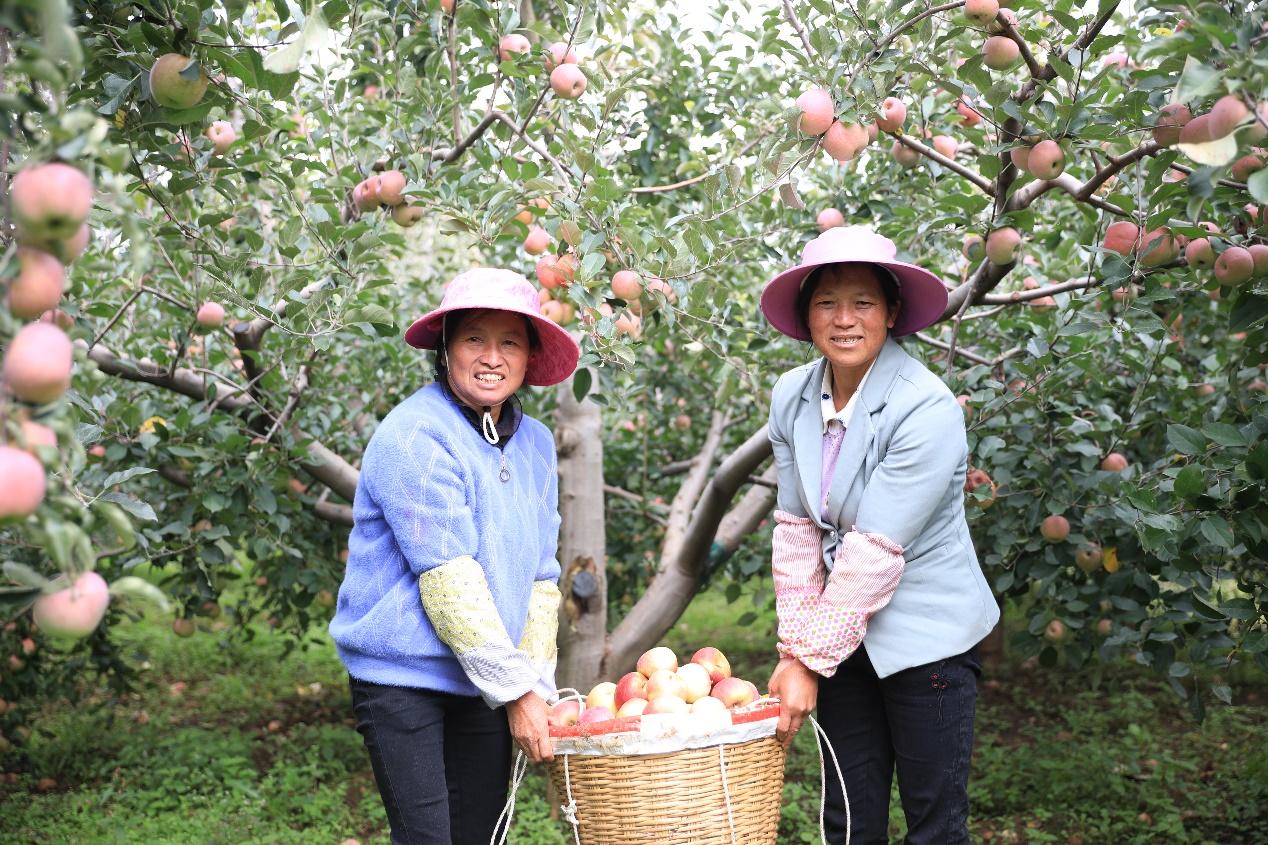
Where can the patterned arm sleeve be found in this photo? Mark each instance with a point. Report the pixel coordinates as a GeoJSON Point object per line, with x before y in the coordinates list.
{"type": "Point", "coordinates": [458, 603]}
{"type": "Point", "coordinates": [799, 574]}
{"type": "Point", "coordinates": [867, 570]}
{"type": "Point", "coordinates": [540, 634]}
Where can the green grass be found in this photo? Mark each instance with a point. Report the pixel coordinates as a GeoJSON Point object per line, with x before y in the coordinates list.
{"type": "Point", "coordinates": [191, 757]}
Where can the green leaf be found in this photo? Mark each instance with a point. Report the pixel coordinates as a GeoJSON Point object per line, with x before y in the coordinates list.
{"type": "Point", "coordinates": [1248, 311]}
{"type": "Point", "coordinates": [1217, 530]}
{"type": "Point", "coordinates": [136, 507]}
{"type": "Point", "coordinates": [133, 587]}
{"type": "Point", "coordinates": [1187, 441]}
{"type": "Point", "coordinates": [1197, 81]}
{"type": "Point", "coordinates": [20, 573]}
{"type": "Point", "coordinates": [1224, 434]}
{"type": "Point", "coordinates": [286, 60]}
{"type": "Point", "coordinates": [1257, 184]}
{"type": "Point", "coordinates": [1190, 483]}
{"type": "Point", "coordinates": [581, 384]}
{"type": "Point", "coordinates": [124, 475]}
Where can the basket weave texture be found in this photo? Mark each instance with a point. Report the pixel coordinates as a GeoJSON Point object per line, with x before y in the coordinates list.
{"type": "Point", "coordinates": [676, 798]}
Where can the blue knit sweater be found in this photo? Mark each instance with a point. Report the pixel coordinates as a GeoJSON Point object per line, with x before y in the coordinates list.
{"type": "Point", "coordinates": [432, 514]}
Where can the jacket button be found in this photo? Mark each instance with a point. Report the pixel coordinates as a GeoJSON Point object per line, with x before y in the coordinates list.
{"type": "Point", "coordinates": [832, 534]}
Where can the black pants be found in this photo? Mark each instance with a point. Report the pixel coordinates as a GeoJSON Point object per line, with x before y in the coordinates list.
{"type": "Point", "coordinates": [919, 721]}
{"type": "Point", "coordinates": [442, 762]}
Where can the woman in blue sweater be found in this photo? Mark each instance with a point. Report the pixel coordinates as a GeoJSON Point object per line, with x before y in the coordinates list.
{"type": "Point", "coordinates": [447, 614]}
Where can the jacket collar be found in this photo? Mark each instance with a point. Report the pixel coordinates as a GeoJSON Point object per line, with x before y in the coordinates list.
{"type": "Point", "coordinates": [808, 430]}
{"type": "Point", "coordinates": [876, 386]}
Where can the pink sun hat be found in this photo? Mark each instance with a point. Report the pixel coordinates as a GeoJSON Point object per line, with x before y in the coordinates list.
{"type": "Point", "coordinates": [503, 290]}
{"type": "Point", "coordinates": [923, 296]}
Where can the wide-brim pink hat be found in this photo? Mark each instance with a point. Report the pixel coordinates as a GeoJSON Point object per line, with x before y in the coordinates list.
{"type": "Point", "coordinates": [923, 295]}
{"type": "Point", "coordinates": [491, 288]}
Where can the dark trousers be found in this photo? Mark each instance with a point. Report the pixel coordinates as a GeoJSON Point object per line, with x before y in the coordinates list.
{"type": "Point", "coordinates": [442, 762]}
{"type": "Point", "coordinates": [919, 721]}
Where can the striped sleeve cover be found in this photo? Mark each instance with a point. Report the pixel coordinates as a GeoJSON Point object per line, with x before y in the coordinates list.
{"type": "Point", "coordinates": [823, 618]}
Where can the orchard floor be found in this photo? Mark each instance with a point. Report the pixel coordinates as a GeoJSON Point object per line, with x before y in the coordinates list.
{"type": "Point", "coordinates": [244, 742]}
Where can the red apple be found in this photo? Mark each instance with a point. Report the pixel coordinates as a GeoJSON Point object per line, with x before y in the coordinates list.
{"type": "Point", "coordinates": [1046, 160]}
{"type": "Point", "coordinates": [633, 707]}
{"type": "Point", "coordinates": [981, 12]}
{"type": "Point", "coordinates": [75, 610]}
{"type": "Point", "coordinates": [509, 45]}
{"type": "Point", "coordinates": [1055, 528]}
{"type": "Point", "coordinates": [24, 484]}
{"type": "Point", "coordinates": [708, 704]}
{"type": "Point", "coordinates": [664, 682]}
{"type": "Point", "coordinates": [946, 145]}
{"type": "Point", "coordinates": [390, 186]}
{"type": "Point", "coordinates": [50, 200]}
{"type": "Point", "coordinates": [222, 135]}
{"type": "Point", "coordinates": [38, 363]}
{"type": "Point", "coordinates": [211, 315]}
{"type": "Point", "coordinates": [696, 682]}
{"type": "Point", "coordinates": [631, 685]}
{"type": "Point", "coordinates": [1234, 266]}
{"type": "Point", "coordinates": [655, 659]}
{"type": "Point", "coordinates": [1088, 557]}
{"type": "Point", "coordinates": [38, 286]}
{"type": "Point", "coordinates": [170, 85]}
{"type": "Point", "coordinates": [602, 695]}
{"type": "Point", "coordinates": [537, 241]}
{"type": "Point", "coordinates": [1114, 462]}
{"type": "Point", "coordinates": [1002, 244]}
{"type": "Point", "coordinates": [1000, 52]}
{"type": "Point", "coordinates": [564, 714]}
{"type": "Point", "coordinates": [1170, 119]}
{"type": "Point", "coordinates": [668, 703]}
{"type": "Point", "coordinates": [829, 218]}
{"type": "Point", "coordinates": [893, 115]}
{"type": "Point", "coordinates": [627, 285]}
{"type": "Point", "coordinates": [1055, 631]}
{"type": "Point", "coordinates": [734, 692]}
{"type": "Point", "coordinates": [593, 715]}
{"type": "Point", "coordinates": [568, 81]}
{"type": "Point", "coordinates": [817, 111]}
{"type": "Point", "coordinates": [713, 660]}
{"type": "Point", "coordinates": [559, 53]}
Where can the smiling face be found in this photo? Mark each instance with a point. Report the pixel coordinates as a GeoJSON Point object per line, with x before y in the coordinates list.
{"type": "Point", "coordinates": [487, 356]}
{"type": "Point", "coordinates": [849, 318]}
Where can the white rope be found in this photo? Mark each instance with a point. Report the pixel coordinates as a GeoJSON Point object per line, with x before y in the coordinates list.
{"type": "Point", "coordinates": [823, 784]}
{"type": "Point", "coordinates": [508, 809]}
{"type": "Point", "coordinates": [570, 809]}
{"type": "Point", "coordinates": [726, 791]}
{"type": "Point", "coordinates": [490, 430]}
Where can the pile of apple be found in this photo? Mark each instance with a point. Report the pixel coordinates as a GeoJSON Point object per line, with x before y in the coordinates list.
{"type": "Point", "coordinates": [660, 685]}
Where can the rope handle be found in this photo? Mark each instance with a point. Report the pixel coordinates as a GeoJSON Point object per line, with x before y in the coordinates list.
{"type": "Point", "coordinates": [823, 783]}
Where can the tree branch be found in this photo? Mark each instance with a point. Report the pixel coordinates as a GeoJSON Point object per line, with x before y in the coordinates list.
{"type": "Point", "coordinates": [671, 590]}
{"type": "Point", "coordinates": [791, 17]}
{"type": "Point", "coordinates": [950, 164]}
{"type": "Point", "coordinates": [909, 23]}
{"type": "Point", "coordinates": [691, 487]}
{"type": "Point", "coordinates": [1036, 293]}
{"type": "Point", "coordinates": [946, 347]}
{"type": "Point", "coordinates": [321, 462]}
{"type": "Point", "coordinates": [1028, 57]}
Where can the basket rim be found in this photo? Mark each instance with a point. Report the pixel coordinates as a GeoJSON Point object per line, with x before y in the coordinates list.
{"type": "Point", "coordinates": [768, 709]}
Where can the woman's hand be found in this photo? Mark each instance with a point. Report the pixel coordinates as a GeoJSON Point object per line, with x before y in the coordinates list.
{"type": "Point", "coordinates": [798, 689]}
{"type": "Point", "coordinates": [527, 718]}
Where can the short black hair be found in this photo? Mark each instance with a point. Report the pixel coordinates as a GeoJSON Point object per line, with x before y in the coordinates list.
{"type": "Point", "coordinates": [887, 280]}
{"type": "Point", "coordinates": [453, 319]}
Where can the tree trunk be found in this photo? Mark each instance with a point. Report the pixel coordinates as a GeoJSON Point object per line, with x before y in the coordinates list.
{"type": "Point", "coordinates": [583, 616]}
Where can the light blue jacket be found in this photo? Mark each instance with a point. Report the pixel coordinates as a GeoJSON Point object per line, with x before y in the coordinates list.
{"type": "Point", "coordinates": [901, 474]}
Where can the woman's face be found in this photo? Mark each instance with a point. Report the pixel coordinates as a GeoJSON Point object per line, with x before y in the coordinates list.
{"type": "Point", "coordinates": [487, 355]}
{"type": "Point", "coordinates": [848, 317]}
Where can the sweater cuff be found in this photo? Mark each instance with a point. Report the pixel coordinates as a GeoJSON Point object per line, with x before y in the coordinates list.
{"type": "Point", "coordinates": [456, 598]}
{"type": "Point", "coordinates": [863, 580]}
{"type": "Point", "coordinates": [541, 631]}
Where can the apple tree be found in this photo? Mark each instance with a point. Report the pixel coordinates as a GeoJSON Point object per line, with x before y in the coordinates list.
{"type": "Point", "coordinates": [276, 189]}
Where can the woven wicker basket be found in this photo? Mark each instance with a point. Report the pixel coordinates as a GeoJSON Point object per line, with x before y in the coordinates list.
{"type": "Point", "coordinates": [676, 798]}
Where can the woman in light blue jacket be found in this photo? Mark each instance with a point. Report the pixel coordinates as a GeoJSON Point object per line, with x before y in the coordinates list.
{"type": "Point", "coordinates": [879, 593]}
